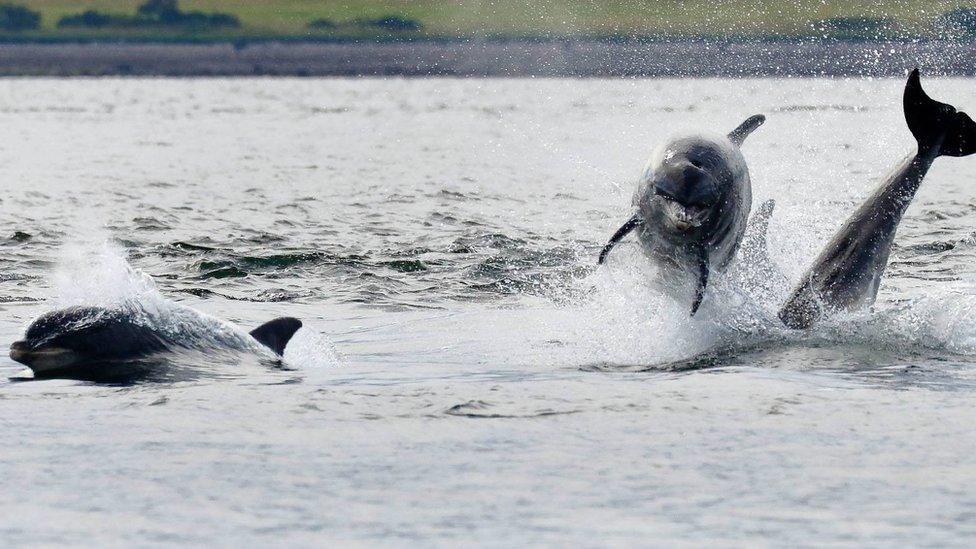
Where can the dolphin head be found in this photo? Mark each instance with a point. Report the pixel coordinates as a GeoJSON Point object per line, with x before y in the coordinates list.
{"type": "Point", "coordinates": [79, 336]}
{"type": "Point", "coordinates": [687, 194]}
{"type": "Point", "coordinates": [684, 186]}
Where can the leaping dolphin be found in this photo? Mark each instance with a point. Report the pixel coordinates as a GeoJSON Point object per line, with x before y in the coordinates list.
{"type": "Point", "coordinates": [693, 202]}
{"type": "Point", "coordinates": [847, 273]}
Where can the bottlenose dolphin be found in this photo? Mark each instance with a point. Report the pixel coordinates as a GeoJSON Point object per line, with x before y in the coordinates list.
{"type": "Point", "coordinates": [693, 201]}
{"type": "Point", "coordinates": [97, 343]}
{"type": "Point", "coordinates": [847, 273]}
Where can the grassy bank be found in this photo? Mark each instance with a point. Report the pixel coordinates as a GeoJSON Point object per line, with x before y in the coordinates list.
{"type": "Point", "coordinates": [290, 19]}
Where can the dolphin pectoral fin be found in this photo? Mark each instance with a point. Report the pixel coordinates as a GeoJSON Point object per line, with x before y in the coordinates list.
{"type": "Point", "coordinates": [740, 134]}
{"type": "Point", "coordinates": [702, 280]}
{"type": "Point", "coordinates": [630, 225]}
{"type": "Point", "coordinates": [276, 334]}
{"type": "Point", "coordinates": [936, 124]}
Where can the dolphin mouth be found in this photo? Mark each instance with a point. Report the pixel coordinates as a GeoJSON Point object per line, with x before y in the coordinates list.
{"type": "Point", "coordinates": [684, 218]}
{"type": "Point", "coordinates": [42, 359]}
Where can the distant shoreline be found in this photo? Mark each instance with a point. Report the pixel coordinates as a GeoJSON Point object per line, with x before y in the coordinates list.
{"type": "Point", "coordinates": [691, 58]}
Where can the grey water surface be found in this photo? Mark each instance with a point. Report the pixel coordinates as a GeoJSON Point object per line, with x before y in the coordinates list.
{"type": "Point", "coordinates": [465, 374]}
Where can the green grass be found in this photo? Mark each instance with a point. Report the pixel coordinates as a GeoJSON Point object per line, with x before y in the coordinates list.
{"type": "Point", "coordinates": [509, 18]}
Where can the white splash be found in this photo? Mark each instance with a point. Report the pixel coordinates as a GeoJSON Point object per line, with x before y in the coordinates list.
{"type": "Point", "coordinates": [96, 273]}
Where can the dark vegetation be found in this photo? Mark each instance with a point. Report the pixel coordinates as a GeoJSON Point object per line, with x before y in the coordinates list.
{"type": "Point", "coordinates": [18, 18]}
{"type": "Point", "coordinates": [323, 24]}
{"type": "Point", "coordinates": [242, 21]}
{"type": "Point", "coordinates": [393, 23]}
{"type": "Point", "coordinates": [153, 13]}
{"type": "Point", "coordinates": [390, 23]}
{"type": "Point", "coordinates": [958, 23]}
{"type": "Point", "coordinates": [856, 28]}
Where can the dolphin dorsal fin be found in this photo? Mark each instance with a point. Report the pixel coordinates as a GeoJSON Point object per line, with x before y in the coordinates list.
{"type": "Point", "coordinates": [740, 134]}
{"type": "Point", "coordinates": [276, 333]}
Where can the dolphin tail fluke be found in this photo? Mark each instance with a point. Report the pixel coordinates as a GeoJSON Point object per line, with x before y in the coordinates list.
{"type": "Point", "coordinates": [276, 334]}
{"type": "Point", "coordinates": [740, 134]}
{"type": "Point", "coordinates": [935, 124]}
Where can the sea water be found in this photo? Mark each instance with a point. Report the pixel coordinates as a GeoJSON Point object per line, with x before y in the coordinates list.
{"type": "Point", "coordinates": [466, 374]}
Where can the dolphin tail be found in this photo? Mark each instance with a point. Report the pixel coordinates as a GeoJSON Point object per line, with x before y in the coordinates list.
{"type": "Point", "coordinates": [738, 135]}
{"type": "Point", "coordinates": [630, 225]}
{"type": "Point", "coordinates": [276, 334]}
{"type": "Point", "coordinates": [937, 125]}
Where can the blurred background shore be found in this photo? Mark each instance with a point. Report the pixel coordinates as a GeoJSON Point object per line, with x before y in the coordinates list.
{"type": "Point", "coordinates": [485, 38]}
{"type": "Point", "coordinates": [552, 59]}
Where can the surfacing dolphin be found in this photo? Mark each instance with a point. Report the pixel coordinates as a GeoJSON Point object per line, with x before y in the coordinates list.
{"type": "Point", "coordinates": [105, 344]}
{"type": "Point", "coordinates": [693, 202]}
{"type": "Point", "coordinates": [847, 273]}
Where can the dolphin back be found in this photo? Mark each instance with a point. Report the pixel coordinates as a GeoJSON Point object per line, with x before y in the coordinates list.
{"type": "Point", "coordinates": [936, 125]}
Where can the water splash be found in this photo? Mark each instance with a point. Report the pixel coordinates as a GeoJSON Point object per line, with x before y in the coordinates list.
{"type": "Point", "coordinates": [97, 274]}
{"type": "Point", "coordinates": [311, 349]}
{"type": "Point", "coordinates": [630, 319]}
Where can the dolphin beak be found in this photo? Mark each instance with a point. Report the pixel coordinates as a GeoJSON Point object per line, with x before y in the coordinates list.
{"type": "Point", "coordinates": [40, 360]}
{"type": "Point", "coordinates": [19, 351]}
{"type": "Point", "coordinates": [684, 218]}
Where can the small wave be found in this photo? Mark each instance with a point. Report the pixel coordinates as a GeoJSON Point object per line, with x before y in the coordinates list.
{"type": "Point", "coordinates": [191, 247]}
{"type": "Point", "coordinates": [239, 266]}
{"type": "Point", "coordinates": [407, 266]}
{"type": "Point", "coordinates": [927, 247]}
{"type": "Point", "coordinates": [822, 108]}
{"type": "Point", "coordinates": [211, 270]}
{"type": "Point", "coordinates": [150, 224]}
{"type": "Point", "coordinates": [483, 410]}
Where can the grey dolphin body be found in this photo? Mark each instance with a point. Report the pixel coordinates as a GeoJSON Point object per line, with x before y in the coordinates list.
{"type": "Point", "coordinates": [96, 343]}
{"type": "Point", "coordinates": [847, 273]}
{"type": "Point", "coordinates": [693, 202]}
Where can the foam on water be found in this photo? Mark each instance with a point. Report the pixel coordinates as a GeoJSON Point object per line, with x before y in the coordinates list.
{"type": "Point", "coordinates": [629, 319]}
{"type": "Point", "coordinates": [311, 349]}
